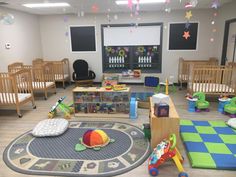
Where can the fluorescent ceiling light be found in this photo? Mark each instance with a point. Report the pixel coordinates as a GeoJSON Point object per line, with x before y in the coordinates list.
{"type": "Point", "coordinates": [120, 2]}
{"type": "Point", "coordinates": [45, 5]}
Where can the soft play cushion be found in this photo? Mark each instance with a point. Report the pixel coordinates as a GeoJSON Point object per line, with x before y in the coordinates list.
{"type": "Point", "coordinates": [50, 127]}
{"type": "Point", "coordinates": [231, 123]}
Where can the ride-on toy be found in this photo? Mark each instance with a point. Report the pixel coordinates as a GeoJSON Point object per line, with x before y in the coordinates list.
{"type": "Point", "coordinates": [66, 109]}
{"type": "Point", "coordinates": [201, 103]}
{"type": "Point", "coordinates": [166, 150]}
{"type": "Point", "coordinates": [231, 108]}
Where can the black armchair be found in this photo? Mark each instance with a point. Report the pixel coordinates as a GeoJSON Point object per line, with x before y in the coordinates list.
{"type": "Point", "coordinates": [81, 72]}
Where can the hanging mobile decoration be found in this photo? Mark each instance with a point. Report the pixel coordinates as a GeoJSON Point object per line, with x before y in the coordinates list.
{"type": "Point", "coordinates": [108, 17]}
{"type": "Point", "coordinates": [194, 3]}
{"type": "Point", "coordinates": [137, 8]}
{"type": "Point", "coordinates": [94, 8]}
{"type": "Point", "coordinates": [115, 17]}
{"type": "Point", "coordinates": [130, 4]}
{"type": "Point", "coordinates": [167, 9]}
{"type": "Point", "coordinates": [7, 19]}
{"type": "Point", "coordinates": [215, 4]}
{"type": "Point", "coordinates": [66, 19]}
{"type": "Point", "coordinates": [188, 15]}
{"type": "Point", "coordinates": [187, 25]}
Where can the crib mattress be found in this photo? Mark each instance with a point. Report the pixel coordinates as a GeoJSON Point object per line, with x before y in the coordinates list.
{"type": "Point", "coordinates": [10, 98]}
{"type": "Point", "coordinates": [41, 84]}
{"type": "Point", "coordinates": [211, 88]}
{"type": "Point", "coordinates": [60, 76]}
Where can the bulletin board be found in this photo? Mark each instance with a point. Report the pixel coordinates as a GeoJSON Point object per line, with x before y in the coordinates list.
{"type": "Point", "coordinates": [176, 39]}
{"type": "Point", "coordinates": [83, 38]}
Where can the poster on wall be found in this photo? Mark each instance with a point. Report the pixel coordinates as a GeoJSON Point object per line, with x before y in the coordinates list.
{"type": "Point", "coordinates": [183, 36]}
{"type": "Point", "coordinates": [83, 38]}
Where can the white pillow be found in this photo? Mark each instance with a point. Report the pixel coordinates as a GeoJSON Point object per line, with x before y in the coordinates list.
{"type": "Point", "coordinates": [231, 123]}
{"type": "Point", "coordinates": [50, 127]}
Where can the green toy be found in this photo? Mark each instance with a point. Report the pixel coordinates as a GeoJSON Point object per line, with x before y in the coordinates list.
{"type": "Point", "coordinates": [231, 108]}
{"type": "Point", "coordinates": [66, 109]}
{"type": "Point", "coordinates": [201, 103]}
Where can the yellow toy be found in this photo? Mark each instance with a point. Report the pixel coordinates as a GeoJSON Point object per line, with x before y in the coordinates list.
{"type": "Point", "coordinates": [167, 85]}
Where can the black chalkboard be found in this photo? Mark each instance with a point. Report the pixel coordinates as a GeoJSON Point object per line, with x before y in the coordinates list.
{"type": "Point", "coordinates": [176, 39]}
{"type": "Point", "coordinates": [82, 38]}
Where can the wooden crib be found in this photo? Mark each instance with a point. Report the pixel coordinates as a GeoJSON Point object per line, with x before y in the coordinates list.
{"type": "Point", "coordinates": [16, 89]}
{"type": "Point", "coordinates": [43, 78]}
{"type": "Point", "coordinates": [37, 61]}
{"type": "Point", "coordinates": [213, 80]}
{"type": "Point", "coordinates": [184, 68]}
{"type": "Point", "coordinates": [61, 69]}
{"type": "Point", "coordinates": [233, 64]}
{"type": "Point", "coordinates": [14, 67]}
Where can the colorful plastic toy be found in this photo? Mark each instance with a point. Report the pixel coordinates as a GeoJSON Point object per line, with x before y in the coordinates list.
{"type": "Point", "coordinates": [94, 139]}
{"type": "Point", "coordinates": [166, 150]}
{"type": "Point", "coordinates": [201, 103]}
{"type": "Point", "coordinates": [231, 108]}
{"type": "Point", "coordinates": [133, 113]}
{"type": "Point", "coordinates": [223, 100]}
{"type": "Point", "coordinates": [66, 109]}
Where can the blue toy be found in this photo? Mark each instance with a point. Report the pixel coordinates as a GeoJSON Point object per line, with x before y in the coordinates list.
{"type": "Point", "coordinates": [151, 81]}
{"type": "Point", "coordinates": [133, 108]}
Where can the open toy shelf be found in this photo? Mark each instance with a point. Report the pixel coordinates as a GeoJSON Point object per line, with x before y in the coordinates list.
{"type": "Point", "coordinates": [99, 102]}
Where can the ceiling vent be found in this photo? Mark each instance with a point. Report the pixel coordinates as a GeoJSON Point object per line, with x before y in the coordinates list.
{"type": "Point", "coordinates": [3, 3]}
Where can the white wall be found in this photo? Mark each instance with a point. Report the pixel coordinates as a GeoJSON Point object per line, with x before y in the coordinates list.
{"type": "Point", "coordinates": [24, 37]}
{"type": "Point", "coordinates": [34, 36]}
{"type": "Point", "coordinates": [56, 45]}
{"type": "Point", "coordinates": [227, 12]}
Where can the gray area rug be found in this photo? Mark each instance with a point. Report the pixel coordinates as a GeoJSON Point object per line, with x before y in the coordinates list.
{"type": "Point", "coordinates": [56, 155]}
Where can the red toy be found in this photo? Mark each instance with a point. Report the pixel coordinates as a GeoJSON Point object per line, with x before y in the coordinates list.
{"type": "Point", "coordinates": [166, 150]}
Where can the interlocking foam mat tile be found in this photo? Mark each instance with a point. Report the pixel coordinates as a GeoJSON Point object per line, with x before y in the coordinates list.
{"type": "Point", "coordinates": [210, 144]}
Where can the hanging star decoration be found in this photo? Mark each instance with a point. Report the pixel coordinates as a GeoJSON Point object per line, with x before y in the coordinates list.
{"type": "Point", "coordinates": [187, 25]}
{"type": "Point", "coordinates": [130, 4]}
{"type": "Point", "coordinates": [186, 35]}
{"type": "Point", "coordinates": [188, 14]}
{"type": "Point", "coordinates": [94, 8]}
{"type": "Point", "coordinates": [194, 3]}
{"type": "Point", "coordinates": [215, 4]}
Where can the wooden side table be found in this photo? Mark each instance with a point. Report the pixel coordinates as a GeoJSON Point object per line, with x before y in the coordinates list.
{"type": "Point", "coordinates": [162, 127]}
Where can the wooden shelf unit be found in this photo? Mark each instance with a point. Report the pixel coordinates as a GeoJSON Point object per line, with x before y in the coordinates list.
{"type": "Point", "coordinates": [162, 127]}
{"type": "Point", "coordinates": [99, 102]}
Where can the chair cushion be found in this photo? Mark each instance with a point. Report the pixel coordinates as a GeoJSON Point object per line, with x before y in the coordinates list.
{"type": "Point", "coordinates": [50, 127]}
{"type": "Point", "coordinates": [80, 68]}
{"type": "Point", "coordinates": [232, 123]}
{"type": "Point", "coordinates": [83, 78]}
